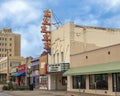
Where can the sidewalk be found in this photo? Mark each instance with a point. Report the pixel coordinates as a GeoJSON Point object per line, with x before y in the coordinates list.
{"type": "Point", "coordinates": [47, 93]}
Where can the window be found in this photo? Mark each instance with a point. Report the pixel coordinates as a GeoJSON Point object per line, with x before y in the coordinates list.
{"type": "Point", "coordinates": [116, 82]}
{"type": "Point", "coordinates": [101, 81]}
{"type": "Point", "coordinates": [62, 57]}
{"type": "Point", "coordinates": [10, 50]}
{"type": "Point", "coordinates": [77, 79]}
{"type": "Point", "coordinates": [57, 57]}
{"type": "Point", "coordinates": [64, 80]}
{"type": "Point", "coordinates": [10, 39]}
{"type": "Point", "coordinates": [53, 58]}
{"type": "Point", "coordinates": [108, 52]}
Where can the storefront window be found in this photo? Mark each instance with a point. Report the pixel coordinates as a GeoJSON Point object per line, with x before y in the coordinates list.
{"type": "Point", "coordinates": [77, 79]}
{"type": "Point", "coordinates": [101, 81]}
{"type": "Point", "coordinates": [116, 82]}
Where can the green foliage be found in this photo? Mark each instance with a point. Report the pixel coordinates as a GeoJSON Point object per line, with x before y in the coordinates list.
{"type": "Point", "coordinates": [13, 86]}
{"type": "Point", "coordinates": [5, 87]}
{"type": "Point", "coordinates": [10, 85]}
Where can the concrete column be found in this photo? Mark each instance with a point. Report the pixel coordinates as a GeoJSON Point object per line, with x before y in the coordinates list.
{"type": "Point", "coordinates": [87, 82]}
{"type": "Point", "coordinates": [49, 82]}
{"type": "Point", "coordinates": [110, 84]}
{"type": "Point", "coordinates": [69, 83]}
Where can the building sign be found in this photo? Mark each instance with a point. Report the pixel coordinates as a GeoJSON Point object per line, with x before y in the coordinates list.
{"type": "Point", "coordinates": [65, 66]}
{"type": "Point", "coordinates": [13, 70]}
{"type": "Point", "coordinates": [58, 67]}
{"type": "Point", "coordinates": [54, 68]}
{"type": "Point", "coordinates": [22, 68]}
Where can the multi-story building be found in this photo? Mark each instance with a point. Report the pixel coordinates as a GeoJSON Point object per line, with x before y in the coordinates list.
{"type": "Point", "coordinates": [9, 43]}
{"type": "Point", "coordinates": [70, 39]}
{"type": "Point", "coordinates": [97, 71]}
{"type": "Point", "coordinates": [43, 70]}
{"type": "Point", "coordinates": [14, 62]}
{"type": "Point", "coordinates": [10, 50]}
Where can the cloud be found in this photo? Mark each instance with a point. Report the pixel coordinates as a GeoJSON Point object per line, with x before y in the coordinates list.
{"type": "Point", "coordinates": [112, 22]}
{"type": "Point", "coordinates": [24, 18]}
{"type": "Point", "coordinates": [104, 6]}
{"type": "Point", "coordinates": [110, 4]}
{"type": "Point", "coordinates": [89, 20]}
{"type": "Point", "coordinates": [19, 12]}
{"type": "Point", "coordinates": [31, 40]}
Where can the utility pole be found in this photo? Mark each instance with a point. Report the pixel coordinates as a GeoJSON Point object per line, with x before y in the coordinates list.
{"type": "Point", "coordinates": [8, 66]}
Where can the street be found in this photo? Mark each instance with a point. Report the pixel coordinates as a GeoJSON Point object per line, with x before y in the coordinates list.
{"type": "Point", "coordinates": [43, 93]}
{"type": "Point", "coordinates": [30, 93]}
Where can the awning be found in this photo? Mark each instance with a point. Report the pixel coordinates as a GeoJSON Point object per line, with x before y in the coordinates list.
{"type": "Point", "coordinates": [19, 74]}
{"type": "Point", "coordinates": [111, 67]}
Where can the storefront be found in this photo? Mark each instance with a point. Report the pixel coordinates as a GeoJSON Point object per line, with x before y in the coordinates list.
{"type": "Point", "coordinates": [21, 75]}
{"type": "Point", "coordinates": [56, 80]}
{"type": "Point", "coordinates": [35, 72]}
{"type": "Point", "coordinates": [43, 77]}
{"type": "Point", "coordinates": [97, 79]}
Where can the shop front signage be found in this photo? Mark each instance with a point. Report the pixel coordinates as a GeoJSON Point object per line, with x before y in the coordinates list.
{"type": "Point", "coordinates": [58, 67]}
{"type": "Point", "coordinates": [13, 70]}
{"type": "Point", "coordinates": [54, 68]}
{"type": "Point", "coordinates": [22, 68]}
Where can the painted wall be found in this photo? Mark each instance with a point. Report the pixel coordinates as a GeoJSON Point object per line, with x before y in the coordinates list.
{"type": "Point", "coordinates": [97, 56]}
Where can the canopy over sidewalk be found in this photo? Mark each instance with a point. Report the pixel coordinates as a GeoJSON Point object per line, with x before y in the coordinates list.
{"type": "Point", "coordinates": [111, 67]}
{"type": "Point", "coordinates": [19, 74]}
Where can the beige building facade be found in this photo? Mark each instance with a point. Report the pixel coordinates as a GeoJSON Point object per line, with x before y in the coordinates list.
{"type": "Point", "coordinates": [99, 69]}
{"type": "Point", "coordinates": [71, 39]}
{"type": "Point", "coordinates": [43, 71]}
{"type": "Point", "coordinates": [13, 62]}
{"type": "Point", "coordinates": [9, 43]}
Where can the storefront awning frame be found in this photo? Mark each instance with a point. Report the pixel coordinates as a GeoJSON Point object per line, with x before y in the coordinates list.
{"type": "Point", "coordinates": [111, 67]}
{"type": "Point", "coordinates": [19, 74]}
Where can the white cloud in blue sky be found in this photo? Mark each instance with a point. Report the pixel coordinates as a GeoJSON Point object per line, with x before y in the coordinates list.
{"type": "Point", "coordinates": [25, 17]}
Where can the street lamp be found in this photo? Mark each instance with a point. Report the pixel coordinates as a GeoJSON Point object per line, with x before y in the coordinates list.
{"type": "Point", "coordinates": [8, 65]}
{"type": "Point", "coordinates": [29, 71]}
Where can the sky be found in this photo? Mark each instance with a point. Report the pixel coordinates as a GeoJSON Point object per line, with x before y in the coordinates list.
{"type": "Point", "coordinates": [25, 17]}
